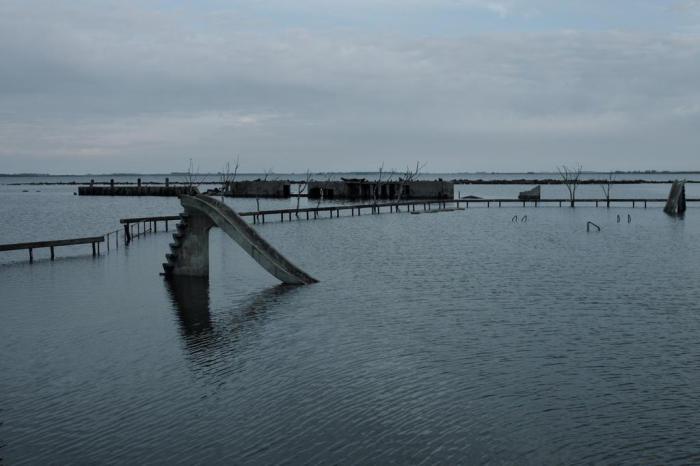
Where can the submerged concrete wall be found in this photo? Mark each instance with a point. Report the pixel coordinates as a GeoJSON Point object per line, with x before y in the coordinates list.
{"type": "Point", "coordinates": [676, 204]}
{"type": "Point", "coordinates": [363, 189]}
{"type": "Point", "coordinates": [278, 189]}
{"type": "Point", "coordinates": [135, 190]}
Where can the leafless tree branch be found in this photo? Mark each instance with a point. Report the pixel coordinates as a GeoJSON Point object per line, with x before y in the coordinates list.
{"type": "Point", "coordinates": [570, 178]}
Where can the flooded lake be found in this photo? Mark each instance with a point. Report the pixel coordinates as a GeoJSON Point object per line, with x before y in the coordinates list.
{"type": "Point", "coordinates": [458, 337]}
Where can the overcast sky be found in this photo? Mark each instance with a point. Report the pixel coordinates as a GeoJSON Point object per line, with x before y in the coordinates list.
{"type": "Point", "coordinates": [465, 85]}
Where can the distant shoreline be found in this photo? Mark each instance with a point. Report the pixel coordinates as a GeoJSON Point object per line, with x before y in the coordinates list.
{"type": "Point", "coordinates": [334, 173]}
{"type": "Point", "coordinates": [463, 181]}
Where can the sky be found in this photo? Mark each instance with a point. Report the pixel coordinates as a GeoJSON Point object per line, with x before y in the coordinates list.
{"type": "Point", "coordinates": [96, 86]}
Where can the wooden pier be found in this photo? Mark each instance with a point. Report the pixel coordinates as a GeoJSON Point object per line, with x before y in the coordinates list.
{"type": "Point", "coordinates": [144, 225]}
{"type": "Point", "coordinates": [148, 224]}
{"type": "Point", "coordinates": [137, 226]}
{"type": "Point", "coordinates": [94, 240]}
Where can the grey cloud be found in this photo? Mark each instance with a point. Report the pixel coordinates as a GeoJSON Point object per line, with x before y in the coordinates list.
{"type": "Point", "coordinates": [128, 88]}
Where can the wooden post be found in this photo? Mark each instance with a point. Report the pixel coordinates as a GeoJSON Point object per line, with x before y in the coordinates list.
{"type": "Point", "coordinates": [127, 236]}
{"type": "Point", "coordinates": [116, 239]}
{"type": "Point", "coordinates": [166, 224]}
{"type": "Point", "coordinates": [263, 218]}
{"type": "Point", "coordinates": [31, 255]}
{"type": "Point", "coordinates": [93, 249]}
{"type": "Point", "coordinates": [108, 241]}
{"type": "Point", "coordinates": [633, 204]}
{"type": "Point", "coordinates": [645, 204]}
{"type": "Point", "coordinates": [282, 217]}
{"type": "Point", "coordinates": [499, 203]}
{"type": "Point", "coordinates": [52, 255]}
{"type": "Point", "coordinates": [98, 249]}
{"type": "Point", "coordinates": [167, 182]}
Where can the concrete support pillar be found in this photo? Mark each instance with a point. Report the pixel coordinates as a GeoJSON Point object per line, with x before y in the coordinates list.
{"type": "Point", "coordinates": [193, 253]}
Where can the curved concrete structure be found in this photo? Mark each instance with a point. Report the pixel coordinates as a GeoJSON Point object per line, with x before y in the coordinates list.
{"type": "Point", "coordinates": [190, 251]}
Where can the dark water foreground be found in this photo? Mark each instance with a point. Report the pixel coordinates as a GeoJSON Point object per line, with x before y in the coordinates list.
{"type": "Point", "coordinates": [444, 338]}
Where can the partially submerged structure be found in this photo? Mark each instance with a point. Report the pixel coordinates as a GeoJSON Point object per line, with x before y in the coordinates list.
{"type": "Point", "coordinates": [676, 205]}
{"type": "Point", "coordinates": [346, 188]}
{"type": "Point", "coordinates": [531, 194]}
{"type": "Point", "coordinates": [365, 189]}
{"type": "Point", "coordinates": [260, 188]}
{"type": "Point", "coordinates": [189, 254]}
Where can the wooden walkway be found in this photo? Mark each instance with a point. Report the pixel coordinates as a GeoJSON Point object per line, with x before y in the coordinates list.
{"type": "Point", "coordinates": [137, 226]}
{"type": "Point", "coordinates": [94, 240]}
{"type": "Point", "coordinates": [149, 224]}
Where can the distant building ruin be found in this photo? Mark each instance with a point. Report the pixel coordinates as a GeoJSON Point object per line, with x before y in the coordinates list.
{"type": "Point", "coordinates": [354, 189]}
{"type": "Point", "coordinates": [259, 188]}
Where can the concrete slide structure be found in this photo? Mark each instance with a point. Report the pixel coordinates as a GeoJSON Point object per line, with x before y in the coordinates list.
{"type": "Point", "coordinates": [189, 254]}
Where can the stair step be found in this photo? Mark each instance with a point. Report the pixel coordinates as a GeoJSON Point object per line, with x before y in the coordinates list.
{"type": "Point", "coordinates": [168, 268]}
{"type": "Point", "coordinates": [172, 258]}
{"type": "Point", "coordinates": [178, 236]}
{"type": "Point", "coordinates": [175, 246]}
{"type": "Point", "coordinates": [181, 226]}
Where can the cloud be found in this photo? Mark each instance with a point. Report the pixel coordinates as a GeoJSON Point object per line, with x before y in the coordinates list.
{"type": "Point", "coordinates": [122, 84]}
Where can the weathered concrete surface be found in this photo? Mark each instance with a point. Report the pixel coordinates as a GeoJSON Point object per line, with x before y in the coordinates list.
{"type": "Point", "coordinates": [190, 252]}
{"type": "Point", "coordinates": [364, 189]}
{"type": "Point", "coordinates": [191, 256]}
{"type": "Point", "coordinates": [273, 188]}
{"type": "Point", "coordinates": [530, 195]}
{"type": "Point", "coordinates": [676, 204]}
{"type": "Point", "coordinates": [135, 190]}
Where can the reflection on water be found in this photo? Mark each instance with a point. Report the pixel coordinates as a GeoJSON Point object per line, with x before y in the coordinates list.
{"type": "Point", "coordinates": [190, 297]}
{"type": "Point", "coordinates": [446, 339]}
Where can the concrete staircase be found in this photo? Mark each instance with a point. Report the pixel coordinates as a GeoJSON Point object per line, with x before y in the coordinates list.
{"type": "Point", "coordinates": [178, 237]}
{"type": "Point", "coordinates": [189, 251]}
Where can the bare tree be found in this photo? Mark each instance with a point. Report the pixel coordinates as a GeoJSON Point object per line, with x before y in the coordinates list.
{"type": "Point", "coordinates": [301, 189]}
{"type": "Point", "coordinates": [192, 178]}
{"type": "Point", "coordinates": [570, 178]}
{"type": "Point", "coordinates": [606, 186]}
{"type": "Point", "coordinates": [228, 177]}
{"type": "Point", "coordinates": [377, 190]}
{"type": "Point", "coordinates": [408, 176]}
{"type": "Point", "coordinates": [257, 198]}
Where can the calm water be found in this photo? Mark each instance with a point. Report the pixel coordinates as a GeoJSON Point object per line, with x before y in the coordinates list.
{"type": "Point", "coordinates": [446, 338]}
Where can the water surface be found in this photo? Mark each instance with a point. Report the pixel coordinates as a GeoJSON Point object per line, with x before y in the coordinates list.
{"type": "Point", "coordinates": [441, 338]}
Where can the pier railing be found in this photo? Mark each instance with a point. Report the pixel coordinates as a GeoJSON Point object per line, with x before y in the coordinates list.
{"type": "Point", "coordinates": [94, 240]}
{"type": "Point", "coordinates": [148, 224]}
{"type": "Point", "coordinates": [137, 226]}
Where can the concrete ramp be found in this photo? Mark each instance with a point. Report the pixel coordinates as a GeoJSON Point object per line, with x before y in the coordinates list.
{"type": "Point", "coordinates": [190, 251]}
{"type": "Point", "coordinates": [676, 204]}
